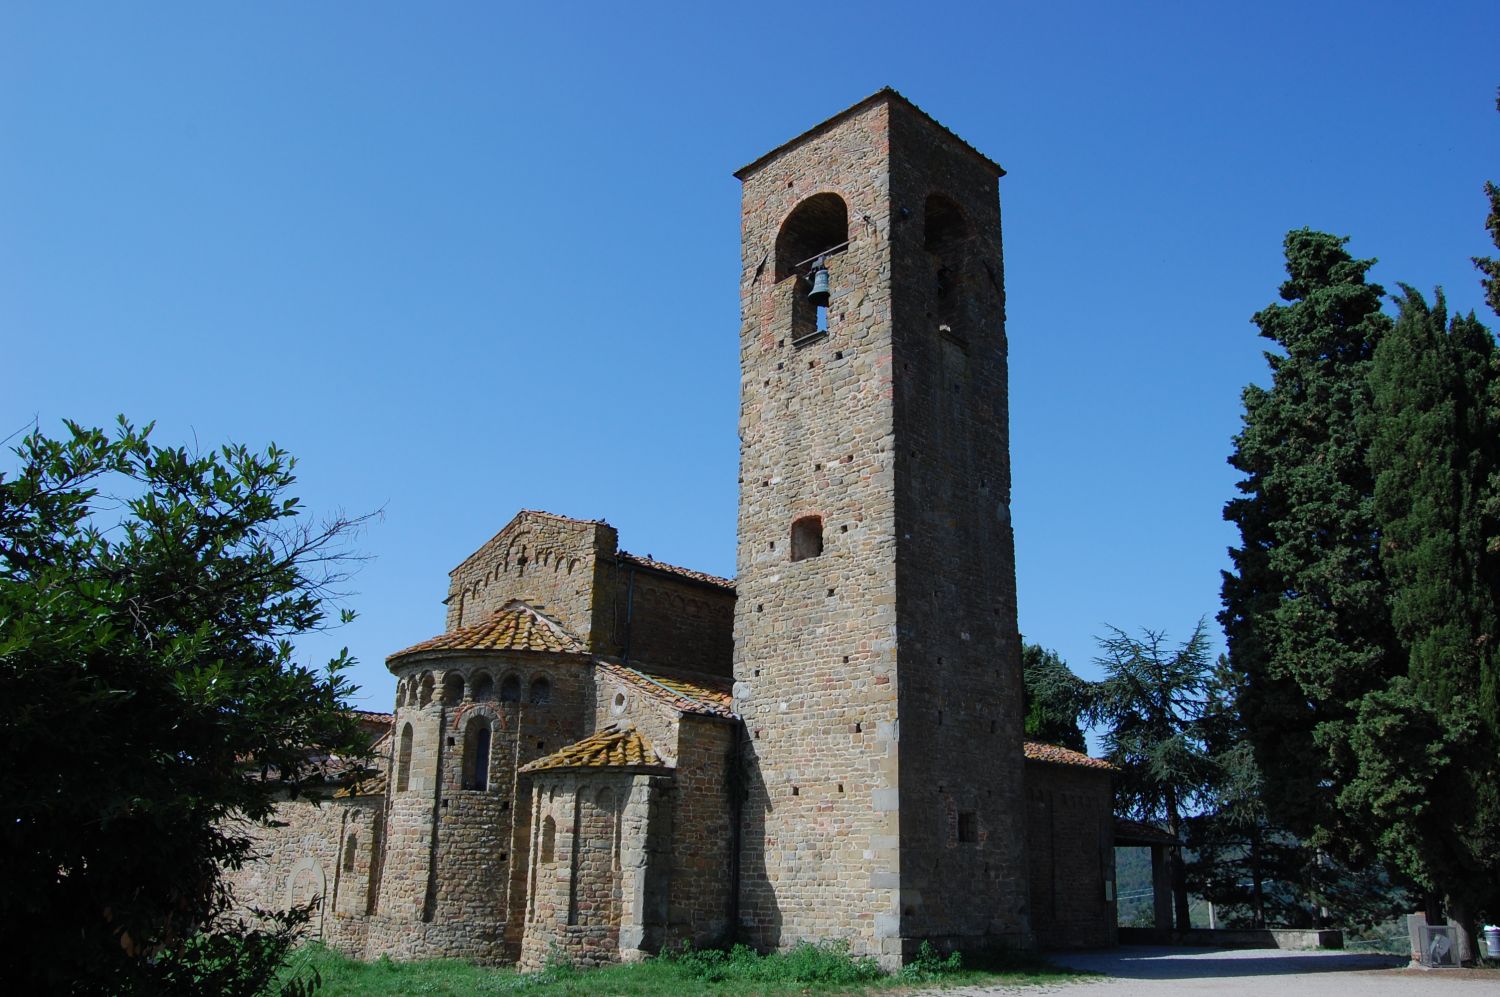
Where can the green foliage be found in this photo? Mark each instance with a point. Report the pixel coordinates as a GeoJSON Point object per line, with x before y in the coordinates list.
{"type": "Point", "coordinates": [148, 700]}
{"type": "Point", "coordinates": [1056, 699]}
{"type": "Point", "coordinates": [1151, 704]}
{"type": "Point", "coordinates": [808, 968]}
{"type": "Point", "coordinates": [1306, 604]}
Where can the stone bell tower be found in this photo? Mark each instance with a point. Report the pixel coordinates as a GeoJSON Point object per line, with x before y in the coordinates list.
{"type": "Point", "coordinates": [876, 660]}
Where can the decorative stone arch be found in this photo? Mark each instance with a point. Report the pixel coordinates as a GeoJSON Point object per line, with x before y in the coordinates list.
{"type": "Point", "coordinates": [539, 690]}
{"type": "Point", "coordinates": [510, 688]}
{"type": "Point", "coordinates": [305, 883]}
{"type": "Point", "coordinates": [403, 759]}
{"type": "Point", "coordinates": [400, 695]}
{"type": "Point", "coordinates": [425, 688]}
{"type": "Point", "coordinates": [481, 686]}
{"type": "Point", "coordinates": [478, 748]}
{"type": "Point", "coordinates": [453, 688]}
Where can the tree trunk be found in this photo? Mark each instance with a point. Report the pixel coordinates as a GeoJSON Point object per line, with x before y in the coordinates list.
{"type": "Point", "coordinates": [1179, 873]}
{"type": "Point", "coordinates": [1257, 881]}
{"type": "Point", "coordinates": [1461, 916]}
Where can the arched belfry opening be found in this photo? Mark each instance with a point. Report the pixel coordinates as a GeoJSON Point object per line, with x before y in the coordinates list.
{"type": "Point", "coordinates": [946, 237]}
{"type": "Point", "coordinates": [817, 229]}
{"type": "Point", "coordinates": [819, 226]}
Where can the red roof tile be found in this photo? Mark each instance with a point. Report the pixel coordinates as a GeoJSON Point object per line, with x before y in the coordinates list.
{"type": "Point", "coordinates": [608, 748]}
{"type": "Point", "coordinates": [513, 627]}
{"type": "Point", "coordinates": [682, 696]}
{"type": "Point", "coordinates": [672, 569]}
{"type": "Point", "coordinates": [1037, 751]}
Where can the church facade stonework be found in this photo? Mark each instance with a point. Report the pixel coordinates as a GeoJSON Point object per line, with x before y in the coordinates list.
{"type": "Point", "coordinates": [603, 755]}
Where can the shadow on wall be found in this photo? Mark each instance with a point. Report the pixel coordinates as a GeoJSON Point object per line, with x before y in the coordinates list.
{"type": "Point", "coordinates": [759, 915]}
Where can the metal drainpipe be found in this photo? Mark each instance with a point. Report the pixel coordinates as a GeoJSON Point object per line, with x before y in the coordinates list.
{"type": "Point", "coordinates": [629, 611]}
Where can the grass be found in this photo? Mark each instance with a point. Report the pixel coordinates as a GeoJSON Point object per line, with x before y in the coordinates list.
{"type": "Point", "coordinates": [806, 969]}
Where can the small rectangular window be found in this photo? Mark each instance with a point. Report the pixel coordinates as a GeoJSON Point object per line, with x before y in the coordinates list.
{"type": "Point", "coordinates": [807, 537]}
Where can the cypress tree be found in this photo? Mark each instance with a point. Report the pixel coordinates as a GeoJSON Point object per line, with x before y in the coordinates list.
{"type": "Point", "coordinates": [1427, 748]}
{"type": "Point", "coordinates": [1305, 606]}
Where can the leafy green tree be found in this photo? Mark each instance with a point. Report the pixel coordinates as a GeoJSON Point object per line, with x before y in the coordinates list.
{"type": "Point", "coordinates": [1151, 706]}
{"type": "Point", "coordinates": [1306, 606]}
{"type": "Point", "coordinates": [1056, 699]}
{"type": "Point", "coordinates": [150, 703]}
{"type": "Point", "coordinates": [1426, 742]}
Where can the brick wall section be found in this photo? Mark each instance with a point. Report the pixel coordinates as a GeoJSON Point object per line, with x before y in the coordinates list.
{"type": "Point", "coordinates": [556, 564]}
{"type": "Point", "coordinates": [959, 650]}
{"type": "Point", "coordinates": [1070, 833]}
{"type": "Point", "coordinates": [815, 672]}
{"type": "Point", "coordinates": [674, 623]}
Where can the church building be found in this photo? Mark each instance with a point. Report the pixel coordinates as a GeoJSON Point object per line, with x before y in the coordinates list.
{"type": "Point", "coordinates": [603, 755]}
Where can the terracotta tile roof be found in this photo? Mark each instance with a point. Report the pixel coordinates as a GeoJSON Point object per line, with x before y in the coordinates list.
{"type": "Point", "coordinates": [683, 696]}
{"type": "Point", "coordinates": [565, 519]}
{"type": "Point", "coordinates": [609, 748]}
{"type": "Point", "coordinates": [672, 569]}
{"type": "Point", "coordinates": [513, 627]}
{"type": "Point", "coordinates": [1136, 833]}
{"type": "Point", "coordinates": [1037, 751]}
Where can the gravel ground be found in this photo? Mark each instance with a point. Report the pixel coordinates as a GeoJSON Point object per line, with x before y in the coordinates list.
{"type": "Point", "coordinates": [1140, 971]}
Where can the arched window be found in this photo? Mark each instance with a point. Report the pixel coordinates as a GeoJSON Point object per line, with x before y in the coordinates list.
{"type": "Point", "coordinates": [477, 754]}
{"type": "Point", "coordinates": [510, 689]}
{"type": "Point", "coordinates": [815, 230]}
{"type": "Point", "coordinates": [807, 537]}
{"type": "Point", "coordinates": [484, 687]}
{"type": "Point", "coordinates": [549, 839]}
{"type": "Point", "coordinates": [403, 761]}
{"type": "Point", "coordinates": [351, 848]}
{"type": "Point", "coordinates": [424, 695]}
{"type": "Point", "coordinates": [453, 688]}
{"type": "Point", "coordinates": [541, 692]}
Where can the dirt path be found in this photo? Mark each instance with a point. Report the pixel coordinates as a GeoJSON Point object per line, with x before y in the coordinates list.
{"type": "Point", "coordinates": [1139, 971]}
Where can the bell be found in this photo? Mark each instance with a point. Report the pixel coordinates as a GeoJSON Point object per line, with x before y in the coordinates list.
{"type": "Point", "coordinates": [819, 293]}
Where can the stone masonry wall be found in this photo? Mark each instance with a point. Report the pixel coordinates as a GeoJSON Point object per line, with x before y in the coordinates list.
{"type": "Point", "coordinates": [456, 853]}
{"type": "Point", "coordinates": [576, 903]}
{"type": "Point", "coordinates": [555, 564]}
{"type": "Point", "coordinates": [673, 623]}
{"type": "Point", "coordinates": [815, 639]}
{"type": "Point", "coordinates": [963, 865]}
{"type": "Point", "coordinates": [699, 898]}
{"type": "Point", "coordinates": [1070, 835]}
{"type": "Point", "coordinates": [322, 850]}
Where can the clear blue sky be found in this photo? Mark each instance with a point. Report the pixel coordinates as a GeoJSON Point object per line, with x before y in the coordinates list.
{"type": "Point", "coordinates": [467, 258]}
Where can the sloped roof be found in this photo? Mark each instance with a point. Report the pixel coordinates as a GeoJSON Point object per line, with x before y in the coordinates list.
{"type": "Point", "coordinates": [848, 112]}
{"type": "Point", "coordinates": [1038, 751]}
{"type": "Point", "coordinates": [672, 569]}
{"type": "Point", "coordinates": [681, 695]}
{"type": "Point", "coordinates": [513, 627]}
{"type": "Point", "coordinates": [1133, 832]}
{"type": "Point", "coordinates": [615, 748]}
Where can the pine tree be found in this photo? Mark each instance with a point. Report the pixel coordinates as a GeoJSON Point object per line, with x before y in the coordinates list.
{"type": "Point", "coordinates": [1306, 604]}
{"type": "Point", "coordinates": [1151, 704]}
{"type": "Point", "coordinates": [1055, 698]}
